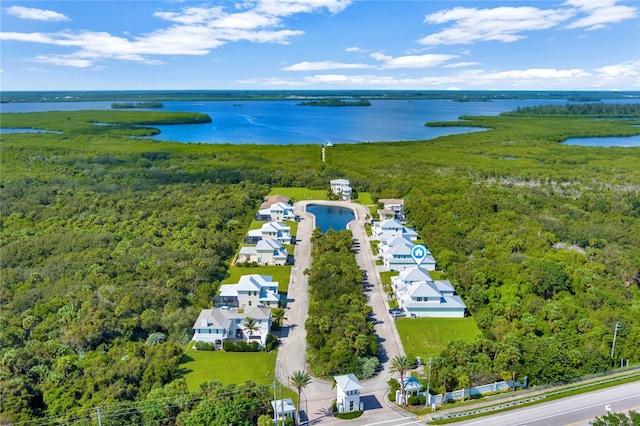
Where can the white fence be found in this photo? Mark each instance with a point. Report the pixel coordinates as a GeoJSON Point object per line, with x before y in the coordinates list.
{"type": "Point", "coordinates": [474, 391]}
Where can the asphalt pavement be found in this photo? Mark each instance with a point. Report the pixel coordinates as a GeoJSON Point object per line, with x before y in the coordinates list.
{"type": "Point", "coordinates": [319, 394]}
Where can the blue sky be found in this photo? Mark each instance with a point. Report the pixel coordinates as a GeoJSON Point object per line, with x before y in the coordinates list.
{"type": "Point", "coordinates": [320, 44]}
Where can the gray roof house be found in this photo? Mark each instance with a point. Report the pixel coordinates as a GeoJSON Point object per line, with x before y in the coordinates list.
{"type": "Point", "coordinates": [219, 324]}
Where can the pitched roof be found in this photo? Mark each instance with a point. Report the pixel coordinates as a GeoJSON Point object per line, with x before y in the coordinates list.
{"type": "Point", "coordinates": [340, 182]}
{"type": "Point", "coordinates": [348, 382]}
{"type": "Point", "coordinates": [281, 206]}
{"type": "Point", "coordinates": [272, 199]}
{"type": "Point", "coordinates": [268, 245]}
{"type": "Point", "coordinates": [274, 227]}
{"type": "Point", "coordinates": [423, 289]}
{"type": "Point", "coordinates": [412, 384]}
{"type": "Point", "coordinates": [390, 224]}
{"type": "Point", "coordinates": [415, 274]}
{"type": "Point", "coordinates": [391, 201]}
{"type": "Point", "coordinates": [221, 318]}
{"type": "Point", "coordinates": [253, 282]}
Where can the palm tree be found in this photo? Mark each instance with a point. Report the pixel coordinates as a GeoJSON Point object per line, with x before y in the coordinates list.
{"type": "Point", "coordinates": [299, 380]}
{"type": "Point", "coordinates": [400, 364]}
{"type": "Point", "coordinates": [250, 325]}
{"type": "Point", "coordinates": [278, 316]}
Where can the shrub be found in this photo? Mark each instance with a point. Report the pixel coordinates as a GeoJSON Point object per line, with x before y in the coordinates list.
{"type": "Point", "coordinates": [349, 415]}
{"type": "Point", "coordinates": [417, 400]}
{"type": "Point", "coordinates": [270, 343]}
{"type": "Point", "coordinates": [204, 346]}
{"type": "Point", "coordinates": [368, 366]}
{"type": "Point", "coordinates": [156, 338]}
{"type": "Point", "coordinates": [240, 346]}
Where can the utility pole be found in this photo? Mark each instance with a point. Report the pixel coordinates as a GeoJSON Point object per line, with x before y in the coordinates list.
{"type": "Point", "coordinates": [615, 334]}
{"type": "Point", "coordinates": [428, 399]}
{"type": "Point", "coordinates": [275, 404]}
{"type": "Point", "coordinates": [282, 402]}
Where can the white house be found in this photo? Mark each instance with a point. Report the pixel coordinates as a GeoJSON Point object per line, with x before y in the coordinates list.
{"type": "Point", "coordinates": [266, 252]}
{"type": "Point", "coordinates": [216, 325]}
{"type": "Point", "coordinates": [393, 208]}
{"type": "Point", "coordinates": [420, 296]}
{"type": "Point", "coordinates": [277, 231]}
{"type": "Point", "coordinates": [396, 255]}
{"type": "Point", "coordinates": [250, 290]}
{"type": "Point", "coordinates": [284, 408]}
{"type": "Point", "coordinates": [348, 393]}
{"type": "Point", "coordinates": [278, 212]}
{"type": "Point", "coordinates": [341, 187]}
{"type": "Point", "coordinates": [391, 228]}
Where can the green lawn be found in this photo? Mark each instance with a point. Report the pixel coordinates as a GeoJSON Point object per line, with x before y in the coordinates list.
{"type": "Point", "coordinates": [279, 273]}
{"type": "Point", "coordinates": [365, 198]}
{"type": "Point", "coordinates": [386, 276]}
{"type": "Point", "coordinates": [227, 367]}
{"type": "Point", "coordinates": [298, 194]}
{"type": "Point", "coordinates": [429, 336]}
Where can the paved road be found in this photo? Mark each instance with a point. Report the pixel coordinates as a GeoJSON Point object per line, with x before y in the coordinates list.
{"type": "Point", "coordinates": [575, 410]}
{"type": "Point", "coordinates": [318, 395]}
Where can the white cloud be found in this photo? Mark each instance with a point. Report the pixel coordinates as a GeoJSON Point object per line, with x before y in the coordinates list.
{"type": "Point", "coordinates": [461, 64]}
{"type": "Point", "coordinates": [64, 60]}
{"type": "Point", "coordinates": [505, 24]}
{"type": "Point", "coordinates": [291, 7]}
{"type": "Point", "coordinates": [195, 30]}
{"type": "Point", "coordinates": [600, 13]}
{"type": "Point", "coordinates": [624, 70]}
{"type": "Point", "coordinates": [35, 14]}
{"type": "Point", "coordinates": [323, 66]}
{"type": "Point", "coordinates": [534, 78]}
{"type": "Point", "coordinates": [353, 49]}
{"type": "Point", "coordinates": [412, 61]}
{"type": "Point", "coordinates": [508, 24]}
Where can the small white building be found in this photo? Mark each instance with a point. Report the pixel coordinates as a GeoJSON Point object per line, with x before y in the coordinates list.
{"type": "Point", "coordinates": [284, 409]}
{"type": "Point", "coordinates": [341, 187]}
{"type": "Point", "coordinates": [218, 324]}
{"type": "Point", "coordinates": [348, 393]}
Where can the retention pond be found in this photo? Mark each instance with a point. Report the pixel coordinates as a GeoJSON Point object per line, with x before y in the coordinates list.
{"type": "Point", "coordinates": [331, 217]}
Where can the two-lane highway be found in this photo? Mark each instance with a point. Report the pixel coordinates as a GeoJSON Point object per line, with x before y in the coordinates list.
{"type": "Point", "coordinates": [575, 410]}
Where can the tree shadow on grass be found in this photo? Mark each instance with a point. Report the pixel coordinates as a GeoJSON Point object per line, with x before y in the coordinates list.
{"type": "Point", "coordinates": [182, 371]}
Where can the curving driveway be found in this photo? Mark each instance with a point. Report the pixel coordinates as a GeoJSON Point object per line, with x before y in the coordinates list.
{"type": "Point", "coordinates": [319, 394]}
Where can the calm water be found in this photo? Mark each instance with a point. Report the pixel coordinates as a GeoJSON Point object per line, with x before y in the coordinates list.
{"type": "Point", "coordinates": [283, 122]}
{"type": "Point", "coordinates": [623, 141]}
{"type": "Point", "coordinates": [329, 217]}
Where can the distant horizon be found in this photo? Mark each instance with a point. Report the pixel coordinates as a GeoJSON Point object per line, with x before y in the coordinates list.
{"type": "Point", "coordinates": [449, 45]}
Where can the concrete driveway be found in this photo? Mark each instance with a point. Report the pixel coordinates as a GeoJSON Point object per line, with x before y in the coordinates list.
{"type": "Point", "coordinates": [319, 394]}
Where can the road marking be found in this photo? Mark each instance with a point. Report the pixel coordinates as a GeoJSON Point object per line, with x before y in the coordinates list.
{"type": "Point", "coordinates": [389, 421]}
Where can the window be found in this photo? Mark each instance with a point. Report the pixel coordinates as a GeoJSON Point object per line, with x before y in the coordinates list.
{"type": "Point", "coordinates": [350, 405]}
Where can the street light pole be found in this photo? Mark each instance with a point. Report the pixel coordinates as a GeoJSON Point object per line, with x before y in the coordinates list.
{"type": "Point", "coordinates": [428, 399]}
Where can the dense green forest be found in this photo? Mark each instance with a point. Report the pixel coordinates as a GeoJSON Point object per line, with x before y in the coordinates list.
{"type": "Point", "coordinates": [239, 95]}
{"type": "Point", "coordinates": [111, 245]}
{"type": "Point", "coordinates": [334, 102]}
{"type": "Point", "coordinates": [340, 338]}
{"type": "Point", "coordinates": [590, 109]}
{"type": "Point", "coordinates": [129, 105]}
